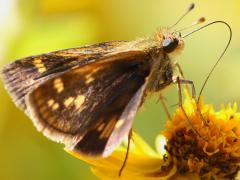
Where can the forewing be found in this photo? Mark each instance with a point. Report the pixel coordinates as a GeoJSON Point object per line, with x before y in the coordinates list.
{"type": "Point", "coordinates": [23, 75]}
{"type": "Point", "coordinates": [82, 107]}
{"type": "Point", "coordinates": [117, 132]}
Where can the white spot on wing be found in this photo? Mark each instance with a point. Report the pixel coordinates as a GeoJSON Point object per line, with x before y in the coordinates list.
{"type": "Point", "coordinates": [119, 123]}
{"type": "Point", "coordinates": [68, 101]}
{"type": "Point", "coordinates": [79, 101]}
{"type": "Point", "coordinates": [89, 79]}
{"type": "Point", "coordinates": [58, 85]}
{"type": "Point", "coordinates": [50, 102]}
{"type": "Point", "coordinates": [55, 106]}
{"type": "Point", "coordinates": [39, 65]}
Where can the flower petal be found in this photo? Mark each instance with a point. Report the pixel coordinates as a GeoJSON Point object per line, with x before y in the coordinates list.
{"type": "Point", "coordinates": [143, 163]}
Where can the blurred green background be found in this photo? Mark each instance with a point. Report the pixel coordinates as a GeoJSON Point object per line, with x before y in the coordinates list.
{"type": "Point", "coordinates": [29, 27]}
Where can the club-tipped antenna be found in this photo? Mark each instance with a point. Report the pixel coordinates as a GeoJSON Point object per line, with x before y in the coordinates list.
{"type": "Point", "coordinates": [191, 7]}
{"type": "Point", "coordinates": [220, 57]}
{"type": "Point", "coordinates": [199, 21]}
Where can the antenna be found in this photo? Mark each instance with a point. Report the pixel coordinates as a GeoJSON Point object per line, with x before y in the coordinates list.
{"type": "Point", "coordinates": [199, 21]}
{"type": "Point", "coordinates": [190, 8]}
{"type": "Point", "coordinates": [220, 57]}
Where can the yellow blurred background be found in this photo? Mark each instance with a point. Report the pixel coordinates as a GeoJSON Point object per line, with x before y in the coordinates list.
{"type": "Point", "coordinates": [29, 27]}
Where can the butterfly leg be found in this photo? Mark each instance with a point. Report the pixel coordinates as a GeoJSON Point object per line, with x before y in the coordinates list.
{"type": "Point", "coordinates": [181, 73]}
{"type": "Point", "coordinates": [161, 98]}
{"type": "Point", "coordinates": [188, 82]}
{"type": "Point", "coordinates": [179, 82]}
{"type": "Point", "coordinates": [193, 91]}
{"type": "Point", "coordinates": [127, 153]}
{"type": "Point", "coordinates": [179, 69]}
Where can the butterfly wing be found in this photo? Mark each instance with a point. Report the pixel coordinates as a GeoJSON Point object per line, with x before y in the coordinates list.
{"type": "Point", "coordinates": [23, 75]}
{"type": "Point", "coordinates": [91, 108]}
{"type": "Point", "coordinates": [122, 126]}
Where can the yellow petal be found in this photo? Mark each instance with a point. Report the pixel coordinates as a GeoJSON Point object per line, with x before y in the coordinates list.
{"type": "Point", "coordinates": [143, 163]}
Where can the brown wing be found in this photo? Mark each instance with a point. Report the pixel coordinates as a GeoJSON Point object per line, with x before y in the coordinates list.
{"type": "Point", "coordinates": [23, 75]}
{"type": "Point", "coordinates": [94, 142]}
{"type": "Point", "coordinates": [83, 107]}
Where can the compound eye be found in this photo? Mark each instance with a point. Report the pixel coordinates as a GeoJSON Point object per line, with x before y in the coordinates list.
{"type": "Point", "coordinates": [169, 45]}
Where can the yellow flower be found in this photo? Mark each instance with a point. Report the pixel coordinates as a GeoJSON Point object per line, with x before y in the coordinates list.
{"type": "Point", "coordinates": [214, 155]}
{"type": "Point", "coordinates": [143, 162]}
{"type": "Point", "coordinates": [181, 153]}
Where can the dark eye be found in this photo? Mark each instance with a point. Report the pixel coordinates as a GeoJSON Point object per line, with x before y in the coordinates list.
{"type": "Point", "coordinates": [169, 45]}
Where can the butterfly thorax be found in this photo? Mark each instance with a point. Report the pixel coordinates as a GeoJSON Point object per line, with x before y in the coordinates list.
{"type": "Point", "coordinates": [163, 60]}
{"type": "Point", "coordinates": [161, 72]}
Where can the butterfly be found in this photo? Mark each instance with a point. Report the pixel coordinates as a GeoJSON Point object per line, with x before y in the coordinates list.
{"type": "Point", "coordinates": [87, 97]}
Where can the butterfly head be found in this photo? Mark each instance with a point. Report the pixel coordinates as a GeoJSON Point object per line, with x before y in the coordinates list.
{"type": "Point", "coordinates": [170, 42]}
